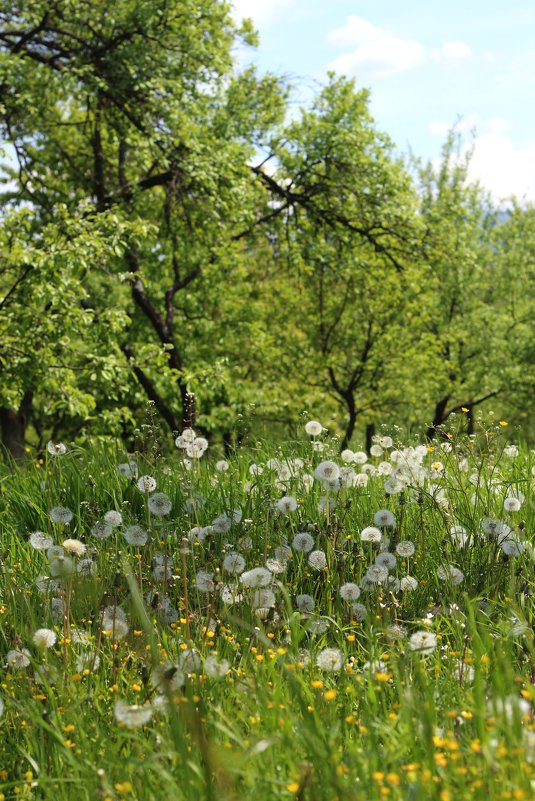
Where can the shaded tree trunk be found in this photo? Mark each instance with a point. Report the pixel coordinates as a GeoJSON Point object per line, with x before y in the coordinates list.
{"type": "Point", "coordinates": [352, 413]}
{"type": "Point", "coordinates": [438, 418]}
{"type": "Point", "coordinates": [370, 433]}
{"type": "Point", "coordinates": [13, 424]}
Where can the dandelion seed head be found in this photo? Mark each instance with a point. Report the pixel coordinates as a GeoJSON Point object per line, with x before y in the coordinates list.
{"type": "Point", "coordinates": [234, 563]}
{"type": "Point", "coordinates": [349, 592]}
{"type": "Point", "coordinates": [287, 504]}
{"type": "Point", "coordinates": [317, 560]}
{"type": "Point", "coordinates": [303, 542]}
{"type": "Point", "coordinates": [405, 549]}
{"type": "Point", "coordinates": [40, 541]}
{"type": "Point", "coordinates": [215, 668]}
{"type": "Point", "coordinates": [128, 469]}
{"type": "Point", "coordinates": [113, 518]}
{"type": "Point", "coordinates": [136, 536]}
{"type": "Point", "coordinates": [257, 577]}
{"type": "Point", "coordinates": [102, 530]}
{"type": "Point", "coordinates": [44, 638]}
{"type": "Point", "coordinates": [370, 534]}
{"type": "Point", "coordinates": [327, 471]}
{"type": "Point", "coordinates": [204, 581]}
{"type": "Point", "coordinates": [61, 515]}
{"type": "Point", "coordinates": [74, 547]}
{"type": "Point", "coordinates": [330, 659]}
{"type": "Point", "coordinates": [146, 484]}
{"type": "Point", "coordinates": [512, 504]}
{"type": "Point", "coordinates": [384, 518]}
{"type": "Point", "coordinates": [313, 428]}
{"type": "Point", "coordinates": [305, 603]}
{"type": "Point", "coordinates": [159, 504]}
{"type": "Point", "coordinates": [423, 642]}
{"type": "Point", "coordinates": [132, 715]}
{"type": "Point", "coordinates": [17, 659]}
{"type": "Point", "coordinates": [56, 449]}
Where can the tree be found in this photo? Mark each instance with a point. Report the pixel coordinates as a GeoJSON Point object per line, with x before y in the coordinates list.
{"type": "Point", "coordinates": [458, 320]}
{"type": "Point", "coordinates": [351, 257]}
{"type": "Point", "coordinates": [142, 115]}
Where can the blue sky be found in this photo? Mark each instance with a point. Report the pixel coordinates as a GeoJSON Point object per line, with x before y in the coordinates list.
{"type": "Point", "coordinates": [427, 64]}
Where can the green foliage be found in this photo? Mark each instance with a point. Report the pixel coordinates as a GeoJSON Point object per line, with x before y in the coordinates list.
{"type": "Point", "coordinates": [196, 238]}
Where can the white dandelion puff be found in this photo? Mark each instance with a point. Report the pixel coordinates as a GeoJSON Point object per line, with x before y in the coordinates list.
{"type": "Point", "coordinates": [44, 638]}
{"type": "Point", "coordinates": [349, 592]}
{"type": "Point", "coordinates": [102, 530]}
{"type": "Point", "coordinates": [205, 581]}
{"type": "Point", "coordinates": [384, 519]}
{"type": "Point", "coordinates": [359, 611]}
{"type": "Point", "coordinates": [392, 486]}
{"type": "Point", "coordinates": [146, 484]}
{"type": "Point", "coordinates": [18, 658]}
{"type": "Point", "coordinates": [56, 449]}
{"type": "Point", "coordinates": [40, 541]}
{"type": "Point", "coordinates": [215, 668]}
{"type": "Point", "coordinates": [74, 547]}
{"type": "Point", "coordinates": [287, 504]}
{"type": "Point", "coordinates": [61, 567]}
{"type": "Point", "coordinates": [276, 566]}
{"type": "Point", "coordinates": [128, 469]}
{"type": "Point", "coordinates": [135, 535]}
{"type": "Point", "coordinates": [305, 603]}
{"type": "Point", "coordinates": [113, 518]}
{"type": "Point", "coordinates": [313, 428]}
{"type": "Point", "coordinates": [423, 642]}
{"type": "Point", "coordinates": [450, 573]}
{"type": "Point", "coordinates": [303, 542]}
{"type": "Point", "coordinates": [132, 715]}
{"type": "Point", "coordinates": [370, 534]}
{"type": "Point", "coordinates": [189, 661]}
{"type": "Point", "coordinates": [512, 504]}
{"type": "Point", "coordinates": [234, 563]}
{"type": "Point", "coordinates": [61, 515]}
{"type": "Point", "coordinates": [317, 560]}
{"type": "Point", "coordinates": [257, 577]}
{"type": "Point", "coordinates": [327, 471]}
{"type": "Point", "coordinates": [330, 659]}
{"type": "Point", "coordinates": [159, 504]}
{"type": "Point", "coordinates": [405, 549]}
{"type": "Point", "coordinates": [386, 559]}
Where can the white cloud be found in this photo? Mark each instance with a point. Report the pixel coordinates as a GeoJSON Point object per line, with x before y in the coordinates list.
{"type": "Point", "coordinates": [381, 53]}
{"type": "Point", "coordinates": [262, 12]}
{"type": "Point", "coordinates": [498, 125]}
{"type": "Point", "coordinates": [455, 51]}
{"type": "Point", "coordinates": [502, 168]}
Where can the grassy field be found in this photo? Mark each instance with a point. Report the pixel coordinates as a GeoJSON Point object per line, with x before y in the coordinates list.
{"type": "Point", "coordinates": [290, 623]}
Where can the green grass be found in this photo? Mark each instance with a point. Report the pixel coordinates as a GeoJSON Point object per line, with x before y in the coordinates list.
{"type": "Point", "coordinates": [392, 722]}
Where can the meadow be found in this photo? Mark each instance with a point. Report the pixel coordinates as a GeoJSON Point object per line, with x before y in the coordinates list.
{"type": "Point", "coordinates": [285, 623]}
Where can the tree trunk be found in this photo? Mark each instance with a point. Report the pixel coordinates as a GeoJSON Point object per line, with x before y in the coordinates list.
{"type": "Point", "coordinates": [438, 418]}
{"type": "Point", "coordinates": [370, 433]}
{"type": "Point", "coordinates": [470, 421]}
{"type": "Point", "coordinates": [351, 420]}
{"type": "Point", "coordinates": [13, 425]}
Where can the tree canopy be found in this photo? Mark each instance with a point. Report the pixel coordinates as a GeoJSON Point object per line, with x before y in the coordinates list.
{"type": "Point", "coordinates": [168, 229]}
